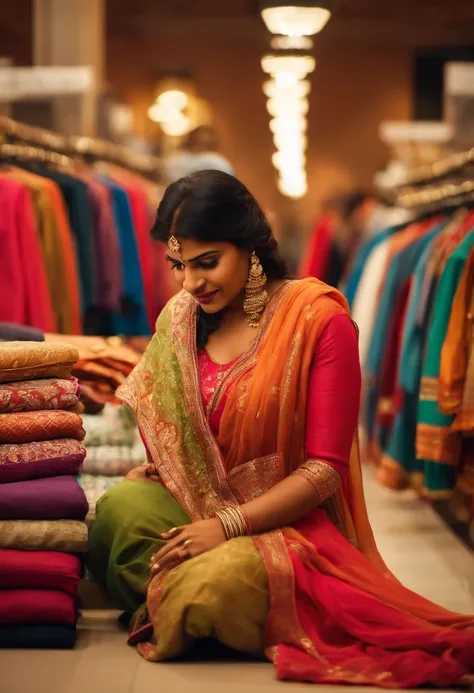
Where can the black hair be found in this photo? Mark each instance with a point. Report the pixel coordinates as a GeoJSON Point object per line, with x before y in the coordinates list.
{"type": "Point", "coordinates": [215, 206]}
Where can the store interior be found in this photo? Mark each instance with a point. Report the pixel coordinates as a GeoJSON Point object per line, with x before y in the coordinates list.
{"type": "Point", "coordinates": [354, 131]}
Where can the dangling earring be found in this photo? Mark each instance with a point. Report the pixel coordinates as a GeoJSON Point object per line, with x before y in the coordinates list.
{"type": "Point", "coordinates": [256, 296]}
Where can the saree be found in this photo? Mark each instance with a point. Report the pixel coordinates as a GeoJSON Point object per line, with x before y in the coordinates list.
{"type": "Point", "coordinates": [38, 460]}
{"type": "Point", "coordinates": [335, 612]}
{"type": "Point", "coordinates": [437, 445]}
{"type": "Point", "coordinates": [36, 395]}
{"type": "Point", "coordinates": [32, 360]}
{"type": "Point", "coordinates": [44, 535]}
{"type": "Point", "coordinates": [30, 427]}
{"type": "Point", "coordinates": [50, 570]}
{"type": "Point", "coordinates": [52, 498]}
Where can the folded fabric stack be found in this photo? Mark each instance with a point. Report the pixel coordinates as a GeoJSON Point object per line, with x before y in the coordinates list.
{"type": "Point", "coordinates": [103, 364]}
{"type": "Point", "coordinates": [42, 506]}
{"type": "Point", "coordinates": [114, 448]}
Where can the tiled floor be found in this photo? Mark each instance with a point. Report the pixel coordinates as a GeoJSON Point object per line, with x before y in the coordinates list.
{"type": "Point", "coordinates": [414, 542]}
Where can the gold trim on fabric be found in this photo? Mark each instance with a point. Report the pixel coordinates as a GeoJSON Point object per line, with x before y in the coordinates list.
{"type": "Point", "coordinates": [254, 478]}
{"type": "Point", "coordinates": [438, 444]}
{"type": "Point", "coordinates": [283, 625]}
{"type": "Point", "coordinates": [324, 478]}
{"type": "Point", "coordinates": [429, 389]}
{"type": "Point", "coordinates": [248, 359]}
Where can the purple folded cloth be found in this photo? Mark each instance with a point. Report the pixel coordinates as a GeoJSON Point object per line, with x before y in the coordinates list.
{"type": "Point", "coordinates": [11, 332]}
{"type": "Point", "coordinates": [20, 462]}
{"type": "Point", "coordinates": [56, 498]}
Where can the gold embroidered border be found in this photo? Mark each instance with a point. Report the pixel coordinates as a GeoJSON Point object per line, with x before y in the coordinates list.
{"type": "Point", "coordinates": [283, 625]}
{"type": "Point", "coordinates": [429, 389]}
{"type": "Point", "coordinates": [438, 444]}
{"type": "Point", "coordinates": [325, 479]}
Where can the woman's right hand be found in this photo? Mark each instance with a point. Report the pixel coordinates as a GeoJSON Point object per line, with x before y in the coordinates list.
{"type": "Point", "coordinates": [145, 472]}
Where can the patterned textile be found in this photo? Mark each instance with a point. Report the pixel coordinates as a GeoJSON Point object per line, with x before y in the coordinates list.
{"type": "Point", "coordinates": [114, 460]}
{"type": "Point", "coordinates": [29, 427]}
{"type": "Point", "coordinates": [49, 570]}
{"type": "Point", "coordinates": [38, 636]}
{"type": "Point", "coordinates": [95, 487]}
{"type": "Point", "coordinates": [53, 498]}
{"type": "Point", "coordinates": [44, 535]}
{"type": "Point", "coordinates": [37, 606]}
{"type": "Point", "coordinates": [114, 426]}
{"type": "Point", "coordinates": [37, 460]}
{"type": "Point", "coordinates": [27, 360]}
{"type": "Point", "coordinates": [35, 395]}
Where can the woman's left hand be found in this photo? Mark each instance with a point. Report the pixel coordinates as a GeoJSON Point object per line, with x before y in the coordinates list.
{"type": "Point", "coordinates": [187, 542]}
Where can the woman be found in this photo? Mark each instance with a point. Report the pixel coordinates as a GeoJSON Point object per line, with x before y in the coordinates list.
{"type": "Point", "coordinates": [249, 524]}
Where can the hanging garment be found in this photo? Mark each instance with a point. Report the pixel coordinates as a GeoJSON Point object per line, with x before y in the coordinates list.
{"type": "Point", "coordinates": [437, 446]}
{"type": "Point", "coordinates": [58, 248]}
{"type": "Point", "coordinates": [25, 296]}
{"type": "Point", "coordinates": [132, 319]}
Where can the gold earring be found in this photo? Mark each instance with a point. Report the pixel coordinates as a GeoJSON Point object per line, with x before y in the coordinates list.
{"type": "Point", "coordinates": [256, 296]}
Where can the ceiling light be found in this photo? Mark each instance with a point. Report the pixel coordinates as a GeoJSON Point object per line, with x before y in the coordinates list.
{"type": "Point", "coordinates": [288, 69]}
{"type": "Point", "coordinates": [297, 18]}
{"type": "Point", "coordinates": [272, 89]}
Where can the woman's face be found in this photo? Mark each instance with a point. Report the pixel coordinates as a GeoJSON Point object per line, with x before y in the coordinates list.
{"type": "Point", "coordinates": [215, 274]}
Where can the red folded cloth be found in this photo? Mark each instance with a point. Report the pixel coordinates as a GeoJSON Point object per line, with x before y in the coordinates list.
{"type": "Point", "coordinates": [49, 570]}
{"type": "Point", "coordinates": [37, 606]}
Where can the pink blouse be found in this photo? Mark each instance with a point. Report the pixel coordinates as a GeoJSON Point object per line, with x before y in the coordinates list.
{"type": "Point", "coordinates": [333, 395]}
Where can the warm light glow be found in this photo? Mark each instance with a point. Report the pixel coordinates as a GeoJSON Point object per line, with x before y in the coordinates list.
{"type": "Point", "coordinates": [295, 21]}
{"type": "Point", "coordinates": [272, 89]}
{"type": "Point", "coordinates": [282, 106]}
{"type": "Point", "coordinates": [291, 43]}
{"type": "Point", "coordinates": [290, 124]}
{"type": "Point", "coordinates": [168, 112]}
{"type": "Point", "coordinates": [293, 188]}
{"type": "Point", "coordinates": [288, 69]}
{"type": "Point", "coordinates": [287, 101]}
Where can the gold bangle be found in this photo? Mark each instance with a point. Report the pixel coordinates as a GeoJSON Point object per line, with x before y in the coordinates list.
{"type": "Point", "coordinates": [234, 522]}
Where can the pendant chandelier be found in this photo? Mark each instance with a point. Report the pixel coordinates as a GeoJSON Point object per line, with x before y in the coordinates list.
{"type": "Point", "coordinates": [295, 17]}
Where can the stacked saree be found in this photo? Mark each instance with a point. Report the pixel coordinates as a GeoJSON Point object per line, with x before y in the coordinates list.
{"type": "Point", "coordinates": [42, 506]}
{"type": "Point", "coordinates": [316, 596]}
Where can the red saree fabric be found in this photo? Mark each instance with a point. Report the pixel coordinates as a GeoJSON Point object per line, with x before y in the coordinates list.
{"type": "Point", "coordinates": [36, 395]}
{"type": "Point", "coordinates": [49, 570]}
{"type": "Point", "coordinates": [316, 259]}
{"type": "Point", "coordinates": [23, 282]}
{"type": "Point", "coordinates": [365, 629]}
{"type": "Point", "coordinates": [37, 606]}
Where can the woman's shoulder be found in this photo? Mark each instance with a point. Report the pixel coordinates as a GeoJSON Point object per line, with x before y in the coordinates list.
{"type": "Point", "coordinates": [311, 292]}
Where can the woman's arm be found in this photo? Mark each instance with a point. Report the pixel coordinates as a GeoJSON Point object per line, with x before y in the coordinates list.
{"type": "Point", "coordinates": [331, 418]}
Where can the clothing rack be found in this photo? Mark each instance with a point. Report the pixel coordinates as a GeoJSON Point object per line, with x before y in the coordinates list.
{"type": "Point", "coordinates": [12, 132]}
{"type": "Point", "coordinates": [454, 163]}
{"type": "Point", "coordinates": [77, 255]}
{"type": "Point", "coordinates": [439, 196]}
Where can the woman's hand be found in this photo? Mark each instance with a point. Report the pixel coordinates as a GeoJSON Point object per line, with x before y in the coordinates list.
{"type": "Point", "coordinates": [145, 472]}
{"type": "Point", "coordinates": [186, 542]}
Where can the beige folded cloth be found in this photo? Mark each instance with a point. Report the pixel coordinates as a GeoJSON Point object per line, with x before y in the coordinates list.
{"type": "Point", "coordinates": [33, 360]}
{"type": "Point", "coordinates": [70, 536]}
